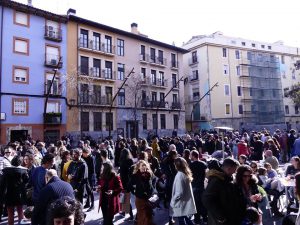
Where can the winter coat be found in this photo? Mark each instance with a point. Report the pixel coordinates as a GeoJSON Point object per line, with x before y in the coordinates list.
{"type": "Point", "coordinates": [182, 202]}
{"type": "Point", "coordinates": [115, 185]}
{"type": "Point", "coordinates": [12, 189]}
{"type": "Point", "coordinates": [222, 200]}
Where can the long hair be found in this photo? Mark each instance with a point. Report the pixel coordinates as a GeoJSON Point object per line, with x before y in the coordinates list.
{"type": "Point", "coordinates": [240, 172]}
{"type": "Point", "coordinates": [125, 155]}
{"type": "Point", "coordinates": [108, 171]}
{"type": "Point", "coordinates": [182, 166]}
{"type": "Point", "coordinates": [138, 165]}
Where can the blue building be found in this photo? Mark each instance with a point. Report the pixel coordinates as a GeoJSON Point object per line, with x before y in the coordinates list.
{"type": "Point", "coordinates": [32, 73]}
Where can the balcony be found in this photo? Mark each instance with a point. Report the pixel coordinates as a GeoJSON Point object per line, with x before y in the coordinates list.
{"type": "Point", "coordinates": [55, 89]}
{"type": "Point", "coordinates": [161, 83]}
{"type": "Point", "coordinates": [174, 65]}
{"type": "Point", "coordinates": [53, 61]}
{"type": "Point", "coordinates": [176, 105]}
{"type": "Point", "coordinates": [95, 46]}
{"type": "Point", "coordinates": [94, 99]}
{"type": "Point", "coordinates": [157, 61]}
{"type": "Point", "coordinates": [53, 34]}
{"type": "Point", "coordinates": [193, 77]}
{"type": "Point", "coordinates": [153, 104]}
{"type": "Point", "coordinates": [193, 60]}
{"type": "Point", "coordinates": [52, 118]}
{"type": "Point", "coordinates": [97, 73]}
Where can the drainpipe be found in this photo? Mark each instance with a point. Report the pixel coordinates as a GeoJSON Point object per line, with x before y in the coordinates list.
{"type": "Point", "coordinates": [1, 47]}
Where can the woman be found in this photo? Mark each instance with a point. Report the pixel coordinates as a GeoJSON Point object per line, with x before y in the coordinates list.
{"type": "Point", "coordinates": [125, 171]}
{"type": "Point", "coordinates": [156, 148]}
{"type": "Point", "coordinates": [110, 187]}
{"type": "Point", "coordinates": [12, 188]}
{"type": "Point", "coordinates": [182, 202]}
{"type": "Point", "coordinates": [134, 148]}
{"type": "Point", "coordinates": [273, 147]}
{"type": "Point", "coordinates": [28, 162]}
{"type": "Point", "coordinates": [141, 187]}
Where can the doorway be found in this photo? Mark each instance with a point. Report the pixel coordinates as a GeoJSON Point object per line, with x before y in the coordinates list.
{"type": "Point", "coordinates": [51, 136]}
{"type": "Point", "coordinates": [132, 129]}
{"type": "Point", "coordinates": [18, 135]}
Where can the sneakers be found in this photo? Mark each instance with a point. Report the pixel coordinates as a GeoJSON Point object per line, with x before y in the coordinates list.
{"type": "Point", "coordinates": [87, 205]}
{"type": "Point", "coordinates": [91, 208]}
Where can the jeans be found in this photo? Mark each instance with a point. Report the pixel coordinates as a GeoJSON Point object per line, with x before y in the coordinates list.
{"type": "Point", "coordinates": [184, 220]}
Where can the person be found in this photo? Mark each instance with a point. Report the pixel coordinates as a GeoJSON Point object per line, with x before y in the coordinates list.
{"type": "Point", "coordinates": [153, 161]}
{"type": "Point", "coordinates": [156, 148]}
{"type": "Point", "coordinates": [55, 188]}
{"type": "Point", "coordinates": [269, 158]}
{"type": "Point", "coordinates": [66, 211]}
{"type": "Point", "coordinates": [5, 161]}
{"type": "Point", "coordinates": [242, 148]}
{"type": "Point", "coordinates": [78, 174]}
{"type": "Point", "coordinates": [141, 187]}
{"type": "Point", "coordinates": [253, 217]}
{"type": "Point", "coordinates": [38, 175]}
{"type": "Point", "coordinates": [243, 159]}
{"type": "Point", "coordinates": [64, 165]}
{"type": "Point", "coordinates": [220, 197]}
{"type": "Point", "coordinates": [198, 169]}
{"type": "Point", "coordinates": [12, 188]}
{"type": "Point", "coordinates": [258, 148]}
{"type": "Point", "coordinates": [182, 202]}
{"type": "Point", "coordinates": [297, 192]}
{"type": "Point", "coordinates": [274, 148]}
{"type": "Point", "coordinates": [110, 186]}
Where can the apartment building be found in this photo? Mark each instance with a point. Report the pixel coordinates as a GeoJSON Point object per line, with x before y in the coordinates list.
{"type": "Point", "coordinates": [32, 54]}
{"type": "Point", "coordinates": [122, 83]}
{"type": "Point", "coordinates": [249, 77]}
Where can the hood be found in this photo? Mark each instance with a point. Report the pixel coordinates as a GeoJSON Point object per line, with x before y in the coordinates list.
{"type": "Point", "coordinates": [216, 173]}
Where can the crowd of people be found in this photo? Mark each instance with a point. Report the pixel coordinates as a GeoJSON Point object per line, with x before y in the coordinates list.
{"type": "Point", "coordinates": [206, 178]}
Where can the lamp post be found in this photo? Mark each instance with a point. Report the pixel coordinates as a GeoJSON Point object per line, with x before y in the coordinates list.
{"type": "Point", "coordinates": [113, 99]}
{"type": "Point", "coordinates": [198, 101]}
{"type": "Point", "coordinates": [163, 100]}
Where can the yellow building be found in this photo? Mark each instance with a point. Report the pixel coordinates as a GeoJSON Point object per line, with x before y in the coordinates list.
{"type": "Point", "coordinates": [104, 101]}
{"type": "Point", "coordinates": [250, 78]}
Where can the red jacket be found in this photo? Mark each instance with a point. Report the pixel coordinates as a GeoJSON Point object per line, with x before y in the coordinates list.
{"type": "Point", "coordinates": [242, 149]}
{"type": "Point", "coordinates": [115, 185]}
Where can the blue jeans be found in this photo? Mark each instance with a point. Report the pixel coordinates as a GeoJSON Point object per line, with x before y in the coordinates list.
{"type": "Point", "coordinates": [184, 220]}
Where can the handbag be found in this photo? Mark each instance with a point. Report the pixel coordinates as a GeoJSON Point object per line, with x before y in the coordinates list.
{"type": "Point", "coordinates": [153, 201]}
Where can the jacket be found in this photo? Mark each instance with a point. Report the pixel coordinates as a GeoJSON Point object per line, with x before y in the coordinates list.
{"type": "Point", "coordinates": [182, 202]}
{"type": "Point", "coordinates": [222, 200]}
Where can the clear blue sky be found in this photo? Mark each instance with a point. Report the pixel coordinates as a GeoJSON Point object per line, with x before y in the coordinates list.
{"type": "Point", "coordinates": [178, 20]}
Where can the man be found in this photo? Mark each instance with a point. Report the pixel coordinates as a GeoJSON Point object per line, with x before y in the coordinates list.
{"type": "Point", "coordinates": [38, 175]}
{"type": "Point", "coordinates": [78, 174]}
{"type": "Point", "coordinates": [179, 145]}
{"type": "Point", "coordinates": [198, 169]}
{"type": "Point", "coordinates": [257, 150]}
{"type": "Point", "coordinates": [269, 158]}
{"type": "Point", "coordinates": [5, 160]}
{"type": "Point", "coordinates": [223, 203]}
{"type": "Point", "coordinates": [154, 163]}
{"type": "Point", "coordinates": [41, 147]}
{"type": "Point", "coordinates": [55, 189]}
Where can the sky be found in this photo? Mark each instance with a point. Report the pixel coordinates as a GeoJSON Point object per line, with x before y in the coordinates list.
{"type": "Point", "coordinates": [176, 21]}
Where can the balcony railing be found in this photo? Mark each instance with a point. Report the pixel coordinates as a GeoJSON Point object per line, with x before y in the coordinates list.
{"type": "Point", "coordinates": [159, 61]}
{"type": "Point", "coordinates": [193, 60]}
{"type": "Point", "coordinates": [94, 99]}
{"type": "Point", "coordinates": [153, 104]}
{"type": "Point", "coordinates": [55, 89]}
{"type": "Point", "coordinates": [96, 46]}
{"type": "Point", "coordinates": [176, 105]}
{"type": "Point", "coordinates": [54, 34]}
{"type": "Point", "coordinates": [96, 72]}
{"type": "Point", "coordinates": [193, 77]}
{"type": "Point", "coordinates": [160, 82]}
{"type": "Point", "coordinates": [174, 64]}
{"type": "Point", "coordinates": [53, 61]}
{"type": "Point", "coordinates": [52, 118]}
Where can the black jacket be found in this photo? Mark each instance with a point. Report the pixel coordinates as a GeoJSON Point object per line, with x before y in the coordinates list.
{"type": "Point", "coordinates": [141, 185]}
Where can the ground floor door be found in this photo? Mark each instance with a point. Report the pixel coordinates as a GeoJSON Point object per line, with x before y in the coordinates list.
{"type": "Point", "coordinates": [18, 135]}
{"type": "Point", "coordinates": [132, 129]}
{"type": "Point", "coordinates": [51, 136]}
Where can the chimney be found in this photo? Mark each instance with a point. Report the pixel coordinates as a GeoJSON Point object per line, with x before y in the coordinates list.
{"type": "Point", "coordinates": [71, 12]}
{"type": "Point", "coordinates": [134, 28]}
{"type": "Point", "coordinates": [29, 2]}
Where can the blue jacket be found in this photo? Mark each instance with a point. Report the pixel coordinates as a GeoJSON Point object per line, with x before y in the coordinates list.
{"type": "Point", "coordinates": [38, 181]}
{"type": "Point", "coordinates": [55, 189]}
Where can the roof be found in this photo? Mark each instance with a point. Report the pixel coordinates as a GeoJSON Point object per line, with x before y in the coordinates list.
{"type": "Point", "coordinates": [126, 33]}
{"type": "Point", "coordinates": [32, 10]}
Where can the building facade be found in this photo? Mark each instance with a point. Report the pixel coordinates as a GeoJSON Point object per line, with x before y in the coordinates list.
{"type": "Point", "coordinates": [32, 54]}
{"type": "Point", "coordinates": [251, 78]}
{"type": "Point", "coordinates": [122, 83]}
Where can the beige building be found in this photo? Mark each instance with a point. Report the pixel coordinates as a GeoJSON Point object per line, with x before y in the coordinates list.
{"type": "Point", "coordinates": [122, 82]}
{"type": "Point", "coordinates": [251, 77]}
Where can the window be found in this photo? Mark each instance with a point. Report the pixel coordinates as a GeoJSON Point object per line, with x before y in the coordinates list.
{"type": "Point", "coordinates": [269, 47]}
{"type": "Point", "coordinates": [108, 93]}
{"type": "Point", "coordinates": [283, 74]}
{"type": "Point", "coordinates": [143, 53]}
{"type": "Point", "coordinates": [287, 110]}
{"type": "Point", "coordinates": [274, 93]}
{"type": "Point", "coordinates": [243, 43]}
{"type": "Point", "coordinates": [194, 75]}
{"type": "Point", "coordinates": [21, 18]}
{"type": "Point", "coordinates": [120, 47]}
{"type": "Point", "coordinates": [296, 109]}
{"type": "Point", "coordinates": [249, 55]}
{"type": "Point", "coordinates": [152, 55]}
{"type": "Point", "coordinates": [293, 75]}
{"type": "Point", "coordinates": [262, 46]}
{"type": "Point", "coordinates": [143, 73]}
{"type": "Point", "coordinates": [175, 98]}
{"type": "Point", "coordinates": [238, 70]}
{"type": "Point", "coordinates": [253, 45]}
{"type": "Point", "coordinates": [253, 110]}
{"type": "Point", "coordinates": [282, 59]}
{"type": "Point", "coordinates": [121, 70]}
{"type": "Point", "coordinates": [161, 57]}
{"type": "Point", "coordinates": [20, 106]}
{"type": "Point", "coordinates": [174, 80]}
{"type": "Point", "coordinates": [194, 57]}
{"type": "Point", "coordinates": [53, 107]}
{"type": "Point", "coordinates": [96, 67]}
{"type": "Point", "coordinates": [21, 46]}
{"type": "Point", "coordinates": [84, 65]}
{"type": "Point", "coordinates": [55, 87]}
{"type": "Point", "coordinates": [84, 93]}
{"type": "Point", "coordinates": [224, 52]}
{"type": "Point", "coordinates": [162, 121]}
{"type": "Point", "coordinates": [161, 79]}
{"type": "Point", "coordinates": [20, 74]}
{"type": "Point", "coordinates": [161, 96]}
{"type": "Point", "coordinates": [239, 91]}
{"type": "Point", "coordinates": [240, 109]}
{"type": "Point", "coordinates": [52, 55]}
{"type": "Point", "coordinates": [237, 54]}
{"type": "Point", "coordinates": [250, 92]}
{"type": "Point", "coordinates": [121, 97]}
{"type": "Point", "coordinates": [227, 109]}
{"type": "Point", "coordinates": [108, 44]}
{"type": "Point", "coordinates": [84, 38]}
{"type": "Point", "coordinates": [109, 121]}
{"type": "Point", "coordinates": [108, 70]}
{"type": "Point", "coordinates": [144, 121]}
{"type": "Point", "coordinates": [97, 94]}
{"type": "Point", "coordinates": [227, 90]}
{"type": "Point", "coordinates": [173, 61]}
{"type": "Point", "coordinates": [96, 41]}
{"type": "Point", "coordinates": [154, 96]}
{"type": "Point", "coordinates": [85, 121]}
{"type": "Point", "coordinates": [97, 121]}
{"type": "Point", "coordinates": [225, 69]}
{"type": "Point", "coordinates": [153, 77]}
{"type": "Point", "coordinates": [154, 121]}
{"type": "Point", "coordinates": [175, 120]}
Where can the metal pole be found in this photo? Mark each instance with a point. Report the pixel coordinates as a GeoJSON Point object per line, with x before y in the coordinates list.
{"type": "Point", "coordinates": [113, 99]}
